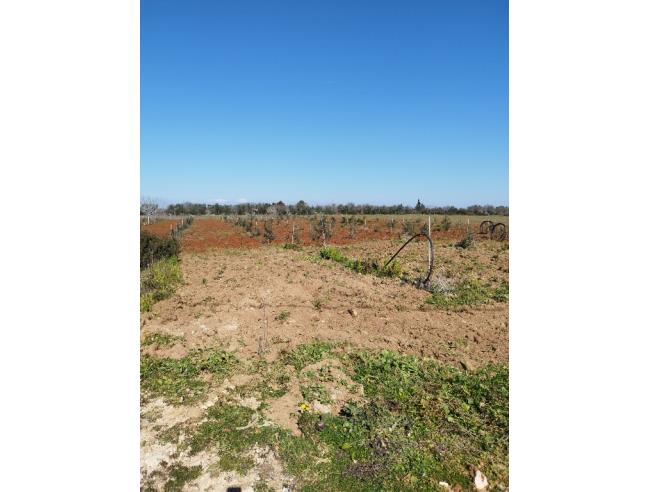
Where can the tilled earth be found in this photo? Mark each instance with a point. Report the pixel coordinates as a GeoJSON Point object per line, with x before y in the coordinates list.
{"type": "Point", "coordinates": [258, 303]}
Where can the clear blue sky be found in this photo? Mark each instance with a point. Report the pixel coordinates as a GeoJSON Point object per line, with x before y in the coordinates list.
{"type": "Point", "coordinates": [332, 101]}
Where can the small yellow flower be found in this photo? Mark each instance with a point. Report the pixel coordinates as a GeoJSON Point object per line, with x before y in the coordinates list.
{"type": "Point", "coordinates": [305, 407]}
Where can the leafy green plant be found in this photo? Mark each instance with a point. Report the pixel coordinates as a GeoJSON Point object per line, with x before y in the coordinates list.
{"type": "Point", "coordinates": [366, 266]}
{"type": "Point", "coordinates": [291, 246]}
{"type": "Point", "coordinates": [332, 253]}
{"type": "Point", "coordinates": [318, 391]}
{"type": "Point", "coordinates": [466, 293]}
{"type": "Point", "coordinates": [160, 339]}
{"type": "Point", "coordinates": [467, 241]}
{"type": "Point", "coordinates": [282, 316]}
{"type": "Point", "coordinates": [229, 426]}
{"type": "Point", "coordinates": [501, 292]}
{"type": "Point", "coordinates": [307, 354]}
{"type": "Point", "coordinates": [154, 248]}
{"type": "Point", "coordinates": [159, 281]}
{"type": "Point", "coordinates": [179, 475]}
{"type": "Point", "coordinates": [420, 422]}
{"type": "Point", "coordinates": [318, 304]}
{"type": "Point", "coordinates": [181, 380]}
{"type": "Point", "coordinates": [445, 223]}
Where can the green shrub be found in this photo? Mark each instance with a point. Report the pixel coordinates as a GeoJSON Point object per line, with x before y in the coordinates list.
{"type": "Point", "coordinates": [181, 380]}
{"type": "Point", "coordinates": [282, 316]}
{"type": "Point", "coordinates": [445, 223]}
{"type": "Point", "coordinates": [467, 242]}
{"type": "Point", "coordinates": [153, 248]}
{"type": "Point", "coordinates": [159, 339]}
{"type": "Point", "coordinates": [159, 281]}
{"type": "Point", "coordinates": [331, 253]}
{"type": "Point", "coordinates": [467, 293]}
{"type": "Point", "coordinates": [294, 247]}
{"type": "Point", "coordinates": [366, 266]}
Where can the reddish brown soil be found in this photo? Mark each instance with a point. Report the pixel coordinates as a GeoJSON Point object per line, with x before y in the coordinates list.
{"type": "Point", "coordinates": [216, 233]}
{"type": "Point", "coordinates": [208, 233]}
{"type": "Point", "coordinates": [226, 290]}
{"type": "Point", "coordinates": [161, 227]}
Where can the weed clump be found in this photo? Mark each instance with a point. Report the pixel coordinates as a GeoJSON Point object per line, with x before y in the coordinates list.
{"type": "Point", "coordinates": [445, 223]}
{"type": "Point", "coordinates": [291, 246]}
{"type": "Point", "coordinates": [159, 281]}
{"type": "Point", "coordinates": [282, 316]}
{"type": "Point", "coordinates": [420, 422]}
{"type": "Point", "coordinates": [466, 293]}
{"type": "Point", "coordinates": [307, 354]}
{"type": "Point", "coordinates": [365, 266]}
{"type": "Point", "coordinates": [160, 340]}
{"type": "Point", "coordinates": [154, 248]}
{"type": "Point", "coordinates": [232, 428]}
{"type": "Point", "coordinates": [182, 380]}
{"type": "Point", "coordinates": [179, 475]}
{"type": "Point", "coordinates": [468, 241]}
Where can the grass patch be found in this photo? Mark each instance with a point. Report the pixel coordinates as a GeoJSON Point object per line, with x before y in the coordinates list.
{"type": "Point", "coordinates": [291, 246]}
{"type": "Point", "coordinates": [468, 241]}
{"type": "Point", "coordinates": [282, 316]}
{"type": "Point", "coordinates": [420, 422]}
{"type": "Point", "coordinates": [467, 293]}
{"type": "Point", "coordinates": [228, 426]}
{"type": "Point", "coordinates": [154, 248]}
{"type": "Point", "coordinates": [423, 423]}
{"type": "Point", "coordinates": [179, 475]}
{"type": "Point", "coordinates": [312, 392]}
{"type": "Point", "coordinates": [307, 354]}
{"type": "Point", "coordinates": [184, 380]}
{"type": "Point", "coordinates": [159, 281]}
{"type": "Point", "coordinates": [160, 340]}
{"type": "Point", "coordinates": [365, 266]}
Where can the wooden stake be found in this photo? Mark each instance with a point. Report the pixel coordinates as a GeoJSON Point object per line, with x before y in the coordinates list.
{"type": "Point", "coordinates": [429, 247]}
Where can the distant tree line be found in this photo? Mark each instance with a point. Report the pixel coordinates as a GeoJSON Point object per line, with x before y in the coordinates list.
{"type": "Point", "coordinates": [302, 208]}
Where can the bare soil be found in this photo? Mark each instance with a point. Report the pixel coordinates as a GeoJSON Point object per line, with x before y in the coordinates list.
{"type": "Point", "coordinates": [235, 297]}
{"type": "Point", "coordinates": [225, 290]}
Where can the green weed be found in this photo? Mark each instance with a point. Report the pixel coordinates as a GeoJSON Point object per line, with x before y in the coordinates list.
{"type": "Point", "coordinates": [308, 354]}
{"type": "Point", "coordinates": [160, 340]}
{"type": "Point", "coordinates": [466, 242]}
{"type": "Point", "coordinates": [291, 246]}
{"type": "Point", "coordinates": [182, 380]}
{"type": "Point", "coordinates": [420, 422]}
{"type": "Point", "coordinates": [159, 281]}
{"type": "Point", "coordinates": [467, 293]}
{"type": "Point", "coordinates": [179, 475]}
{"type": "Point", "coordinates": [365, 266]}
{"type": "Point", "coordinates": [314, 392]}
{"type": "Point", "coordinates": [282, 316]}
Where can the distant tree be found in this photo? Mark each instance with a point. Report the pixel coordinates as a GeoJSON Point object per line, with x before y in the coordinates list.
{"type": "Point", "coordinates": [301, 208]}
{"type": "Point", "coordinates": [281, 208]}
{"type": "Point", "coordinates": [268, 233]}
{"type": "Point", "coordinates": [420, 208]}
{"type": "Point", "coordinates": [148, 208]}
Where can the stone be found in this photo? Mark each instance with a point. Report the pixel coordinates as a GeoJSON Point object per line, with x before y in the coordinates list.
{"type": "Point", "coordinates": [481, 482]}
{"type": "Point", "coordinates": [468, 365]}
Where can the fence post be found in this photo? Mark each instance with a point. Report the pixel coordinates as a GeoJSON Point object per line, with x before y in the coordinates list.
{"type": "Point", "coordinates": [429, 247]}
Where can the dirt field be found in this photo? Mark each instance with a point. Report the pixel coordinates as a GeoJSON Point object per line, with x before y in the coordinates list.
{"type": "Point", "coordinates": [218, 232]}
{"type": "Point", "coordinates": [264, 305]}
{"type": "Point", "coordinates": [161, 227]}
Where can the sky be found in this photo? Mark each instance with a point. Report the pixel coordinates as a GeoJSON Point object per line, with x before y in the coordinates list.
{"type": "Point", "coordinates": [380, 102]}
